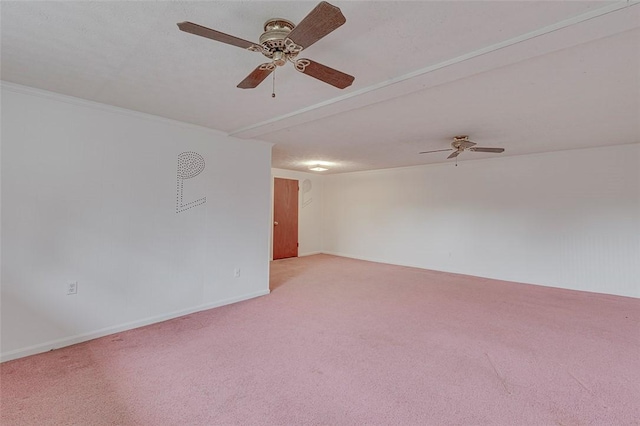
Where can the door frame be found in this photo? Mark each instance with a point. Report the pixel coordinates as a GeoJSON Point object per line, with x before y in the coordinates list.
{"type": "Point", "coordinates": [271, 238]}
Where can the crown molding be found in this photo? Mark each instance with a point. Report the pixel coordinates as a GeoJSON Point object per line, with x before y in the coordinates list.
{"type": "Point", "coordinates": [45, 94]}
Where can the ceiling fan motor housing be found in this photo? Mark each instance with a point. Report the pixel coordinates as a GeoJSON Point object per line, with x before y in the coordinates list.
{"type": "Point", "coordinates": [272, 40]}
{"type": "Point", "coordinates": [461, 142]}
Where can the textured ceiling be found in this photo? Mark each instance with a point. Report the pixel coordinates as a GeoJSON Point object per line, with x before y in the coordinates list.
{"type": "Point", "coordinates": [528, 76]}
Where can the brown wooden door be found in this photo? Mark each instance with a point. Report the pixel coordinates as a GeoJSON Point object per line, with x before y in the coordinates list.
{"type": "Point", "coordinates": [285, 218]}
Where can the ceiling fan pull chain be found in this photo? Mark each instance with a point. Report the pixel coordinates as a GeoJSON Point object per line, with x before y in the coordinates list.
{"type": "Point", "coordinates": [273, 90]}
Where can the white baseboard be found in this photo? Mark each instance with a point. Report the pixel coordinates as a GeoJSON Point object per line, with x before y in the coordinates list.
{"type": "Point", "coordinates": [79, 338]}
{"type": "Point", "coordinates": [497, 278]}
{"type": "Point", "coordinates": [368, 259]}
{"type": "Point", "coordinates": [311, 253]}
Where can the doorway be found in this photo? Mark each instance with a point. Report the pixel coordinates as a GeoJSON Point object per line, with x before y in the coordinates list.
{"type": "Point", "coordinates": [285, 218]}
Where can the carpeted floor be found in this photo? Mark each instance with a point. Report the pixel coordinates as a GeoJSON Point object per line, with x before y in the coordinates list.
{"type": "Point", "coordinates": [347, 342]}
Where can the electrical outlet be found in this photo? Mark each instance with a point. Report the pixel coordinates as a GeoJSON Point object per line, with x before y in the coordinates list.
{"type": "Point", "coordinates": [72, 287]}
{"type": "Point", "coordinates": [236, 272]}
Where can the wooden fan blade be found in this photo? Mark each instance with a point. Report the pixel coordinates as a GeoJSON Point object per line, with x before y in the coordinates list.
{"type": "Point", "coordinates": [454, 154]}
{"type": "Point", "coordinates": [481, 149]}
{"type": "Point", "coordinates": [437, 150]}
{"type": "Point", "coordinates": [324, 73]}
{"type": "Point", "coordinates": [257, 76]}
{"type": "Point", "coordinates": [199, 30]}
{"type": "Point", "coordinates": [322, 20]}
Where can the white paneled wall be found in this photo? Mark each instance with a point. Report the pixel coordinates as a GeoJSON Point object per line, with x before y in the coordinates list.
{"type": "Point", "coordinates": [567, 219]}
{"type": "Point", "coordinates": [91, 194]}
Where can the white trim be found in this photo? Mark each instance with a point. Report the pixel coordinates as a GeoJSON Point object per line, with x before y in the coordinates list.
{"type": "Point", "coordinates": [470, 161]}
{"type": "Point", "coordinates": [311, 253]}
{"type": "Point", "coordinates": [376, 260]}
{"type": "Point", "coordinates": [32, 91]}
{"type": "Point", "coordinates": [409, 265]}
{"type": "Point", "coordinates": [255, 130]}
{"type": "Point", "coordinates": [79, 338]}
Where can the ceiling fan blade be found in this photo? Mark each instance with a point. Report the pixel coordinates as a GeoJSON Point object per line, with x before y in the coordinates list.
{"type": "Point", "coordinates": [454, 154]}
{"type": "Point", "coordinates": [324, 73]}
{"type": "Point", "coordinates": [257, 76]}
{"type": "Point", "coordinates": [481, 149]}
{"type": "Point", "coordinates": [437, 150]}
{"type": "Point", "coordinates": [199, 30]}
{"type": "Point", "coordinates": [466, 144]}
{"type": "Point", "coordinates": [322, 20]}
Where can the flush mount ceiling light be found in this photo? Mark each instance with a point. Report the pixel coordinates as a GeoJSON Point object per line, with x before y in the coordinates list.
{"type": "Point", "coordinates": [318, 165]}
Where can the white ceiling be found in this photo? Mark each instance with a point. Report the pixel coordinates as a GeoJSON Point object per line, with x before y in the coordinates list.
{"type": "Point", "coordinates": [527, 76]}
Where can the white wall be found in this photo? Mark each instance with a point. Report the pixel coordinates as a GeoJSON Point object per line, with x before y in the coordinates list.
{"type": "Point", "coordinates": [309, 209]}
{"type": "Point", "coordinates": [89, 194]}
{"type": "Point", "coordinates": [567, 219]}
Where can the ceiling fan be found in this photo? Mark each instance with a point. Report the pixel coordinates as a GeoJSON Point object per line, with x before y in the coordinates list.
{"type": "Point", "coordinates": [462, 143]}
{"type": "Point", "coordinates": [283, 41]}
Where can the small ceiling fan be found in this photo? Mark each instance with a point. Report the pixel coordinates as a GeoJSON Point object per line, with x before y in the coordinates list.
{"type": "Point", "coordinates": [283, 41]}
{"type": "Point", "coordinates": [462, 143]}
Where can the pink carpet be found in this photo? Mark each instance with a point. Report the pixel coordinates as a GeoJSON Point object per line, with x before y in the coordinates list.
{"type": "Point", "coordinates": [347, 342]}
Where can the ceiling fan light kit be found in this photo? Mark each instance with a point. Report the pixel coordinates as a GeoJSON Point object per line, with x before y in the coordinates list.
{"type": "Point", "coordinates": [282, 41]}
{"type": "Point", "coordinates": [318, 168]}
